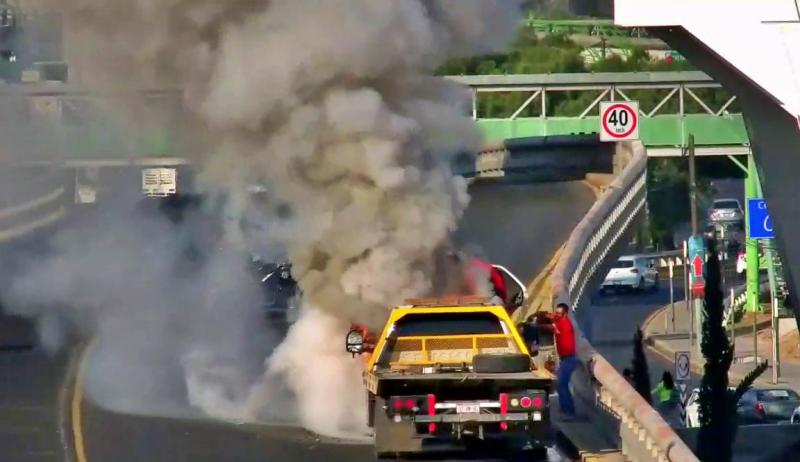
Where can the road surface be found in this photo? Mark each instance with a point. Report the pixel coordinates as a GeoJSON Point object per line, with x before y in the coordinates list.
{"type": "Point", "coordinates": [536, 218]}
{"type": "Point", "coordinates": [498, 214]}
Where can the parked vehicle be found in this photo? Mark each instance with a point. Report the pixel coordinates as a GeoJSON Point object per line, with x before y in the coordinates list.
{"type": "Point", "coordinates": [693, 408]}
{"type": "Point", "coordinates": [795, 420]}
{"type": "Point", "coordinates": [725, 210]}
{"type": "Point", "coordinates": [632, 273]}
{"type": "Point", "coordinates": [767, 405]}
{"type": "Point", "coordinates": [281, 292]}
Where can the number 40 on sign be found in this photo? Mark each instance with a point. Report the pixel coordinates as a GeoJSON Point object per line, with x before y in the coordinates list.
{"type": "Point", "coordinates": [619, 121]}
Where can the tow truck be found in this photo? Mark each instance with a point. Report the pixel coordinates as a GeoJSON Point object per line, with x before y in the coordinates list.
{"type": "Point", "coordinates": [451, 374]}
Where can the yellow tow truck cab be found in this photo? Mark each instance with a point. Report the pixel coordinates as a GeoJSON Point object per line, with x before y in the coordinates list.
{"type": "Point", "coordinates": [448, 372]}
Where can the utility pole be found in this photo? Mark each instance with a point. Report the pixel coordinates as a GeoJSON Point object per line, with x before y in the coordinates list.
{"type": "Point", "coordinates": [697, 311]}
{"type": "Point", "coordinates": [692, 186]}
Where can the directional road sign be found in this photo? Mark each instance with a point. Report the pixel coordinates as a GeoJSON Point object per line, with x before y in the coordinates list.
{"type": "Point", "coordinates": [697, 257]}
{"type": "Point", "coordinates": [758, 220]}
{"type": "Point", "coordinates": [619, 121]}
{"type": "Point", "coordinates": [683, 370]}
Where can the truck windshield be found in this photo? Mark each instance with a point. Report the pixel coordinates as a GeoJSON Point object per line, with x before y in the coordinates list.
{"type": "Point", "coordinates": [444, 338]}
{"type": "Point", "coordinates": [438, 324]}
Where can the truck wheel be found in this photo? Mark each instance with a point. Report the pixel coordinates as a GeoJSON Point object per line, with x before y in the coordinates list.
{"type": "Point", "coordinates": [501, 363]}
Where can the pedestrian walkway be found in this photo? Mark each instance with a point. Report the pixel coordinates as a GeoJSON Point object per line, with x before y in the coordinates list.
{"type": "Point", "coordinates": [665, 340]}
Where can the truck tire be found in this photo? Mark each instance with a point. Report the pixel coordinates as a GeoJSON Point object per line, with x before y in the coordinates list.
{"type": "Point", "coordinates": [501, 363]}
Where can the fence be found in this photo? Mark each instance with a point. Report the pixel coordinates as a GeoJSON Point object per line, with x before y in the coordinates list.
{"type": "Point", "coordinates": [592, 247]}
{"type": "Point", "coordinates": [30, 199]}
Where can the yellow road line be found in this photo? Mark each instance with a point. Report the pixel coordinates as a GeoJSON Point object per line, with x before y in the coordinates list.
{"type": "Point", "coordinates": [77, 407]}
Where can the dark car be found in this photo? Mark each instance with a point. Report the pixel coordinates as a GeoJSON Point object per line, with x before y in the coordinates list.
{"type": "Point", "coordinates": [767, 405]}
{"type": "Point", "coordinates": [279, 288]}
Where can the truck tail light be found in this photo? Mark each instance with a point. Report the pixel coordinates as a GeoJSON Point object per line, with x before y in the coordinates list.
{"type": "Point", "coordinates": [503, 410]}
{"type": "Point", "coordinates": [431, 399]}
{"type": "Point", "coordinates": [532, 399]}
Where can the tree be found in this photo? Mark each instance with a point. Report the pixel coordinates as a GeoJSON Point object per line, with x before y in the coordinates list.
{"type": "Point", "coordinates": [640, 370]}
{"type": "Point", "coordinates": [718, 420]}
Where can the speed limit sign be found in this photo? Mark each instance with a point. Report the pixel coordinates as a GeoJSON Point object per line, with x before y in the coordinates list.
{"type": "Point", "coordinates": [619, 121]}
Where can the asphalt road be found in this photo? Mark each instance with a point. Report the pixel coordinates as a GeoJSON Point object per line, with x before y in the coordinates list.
{"type": "Point", "coordinates": [615, 318]}
{"type": "Point", "coordinates": [537, 218]}
{"type": "Point", "coordinates": [35, 416]}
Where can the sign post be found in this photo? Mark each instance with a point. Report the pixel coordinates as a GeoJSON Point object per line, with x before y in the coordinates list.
{"type": "Point", "coordinates": [683, 374]}
{"type": "Point", "coordinates": [619, 121]}
{"type": "Point", "coordinates": [672, 291]}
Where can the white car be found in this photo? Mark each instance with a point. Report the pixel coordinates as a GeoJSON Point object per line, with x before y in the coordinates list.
{"type": "Point", "coordinates": [725, 210]}
{"type": "Point", "coordinates": [693, 409]}
{"type": "Point", "coordinates": [632, 272]}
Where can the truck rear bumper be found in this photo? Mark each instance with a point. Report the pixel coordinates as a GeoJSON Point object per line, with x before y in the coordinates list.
{"type": "Point", "coordinates": [480, 418]}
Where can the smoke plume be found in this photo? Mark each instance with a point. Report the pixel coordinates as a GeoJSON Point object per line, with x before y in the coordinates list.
{"type": "Point", "coordinates": [333, 107]}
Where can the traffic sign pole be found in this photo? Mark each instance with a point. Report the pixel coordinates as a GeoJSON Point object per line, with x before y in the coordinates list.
{"type": "Point", "coordinates": [769, 254]}
{"type": "Point", "coordinates": [751, 245]}
{"type": "Point", "coordinates": [683, 375]}
{"type": "Point", "coordinates": [672, 292]}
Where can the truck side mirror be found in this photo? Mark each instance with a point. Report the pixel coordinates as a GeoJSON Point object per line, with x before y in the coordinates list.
{"type": "Point", "coordinates": [354, 342]}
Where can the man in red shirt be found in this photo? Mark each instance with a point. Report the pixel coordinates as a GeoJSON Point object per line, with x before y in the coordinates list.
{"type": "Point", "coordinates": [564, 333]}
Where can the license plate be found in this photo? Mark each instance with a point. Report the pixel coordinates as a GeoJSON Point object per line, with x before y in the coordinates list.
{"type": "Point", "coordinates": [468, 408]}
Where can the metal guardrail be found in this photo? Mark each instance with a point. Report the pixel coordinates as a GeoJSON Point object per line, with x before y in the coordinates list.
{"type": "Point", "coordinates": [643, 434]}
{"type": "Point", "coordinates": [30, 204]}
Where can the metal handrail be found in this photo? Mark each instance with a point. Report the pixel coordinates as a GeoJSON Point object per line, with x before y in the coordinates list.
{"type": "Point", "coordinates": [39, 204]}
{"type": "Point", "coordinates": [644, 434]}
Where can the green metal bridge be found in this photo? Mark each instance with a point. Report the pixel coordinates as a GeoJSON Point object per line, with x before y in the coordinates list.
{"type": "Point", "coordinates": [680, 104]}
{"type": "Point", "coordinates": [594, 31]}
{"type": "Point", "coordinates": [86, 134]}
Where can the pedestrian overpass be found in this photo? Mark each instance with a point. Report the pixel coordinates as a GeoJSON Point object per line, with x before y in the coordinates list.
{"type": "Point", "coordinates": [73, 120]}
{"type": "Point", "coordinates": [680, 104]}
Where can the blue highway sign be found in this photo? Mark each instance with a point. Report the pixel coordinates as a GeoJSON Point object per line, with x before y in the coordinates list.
{"type": "Point", "coordinates": [758, 220]}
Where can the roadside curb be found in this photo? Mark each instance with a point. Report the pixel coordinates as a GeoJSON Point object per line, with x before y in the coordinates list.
{"type": "Point", "coordinates": [662, 349]}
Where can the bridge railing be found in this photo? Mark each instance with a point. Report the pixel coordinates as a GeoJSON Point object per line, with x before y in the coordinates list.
{"type": "Point", "coordinates": [593, 245]}
{"type": "Point", "coordinates": [30, 199]}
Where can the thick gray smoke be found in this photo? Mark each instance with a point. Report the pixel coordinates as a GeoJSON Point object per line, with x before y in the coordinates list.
{"type": "Point", "coordinates": [331, 105]}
